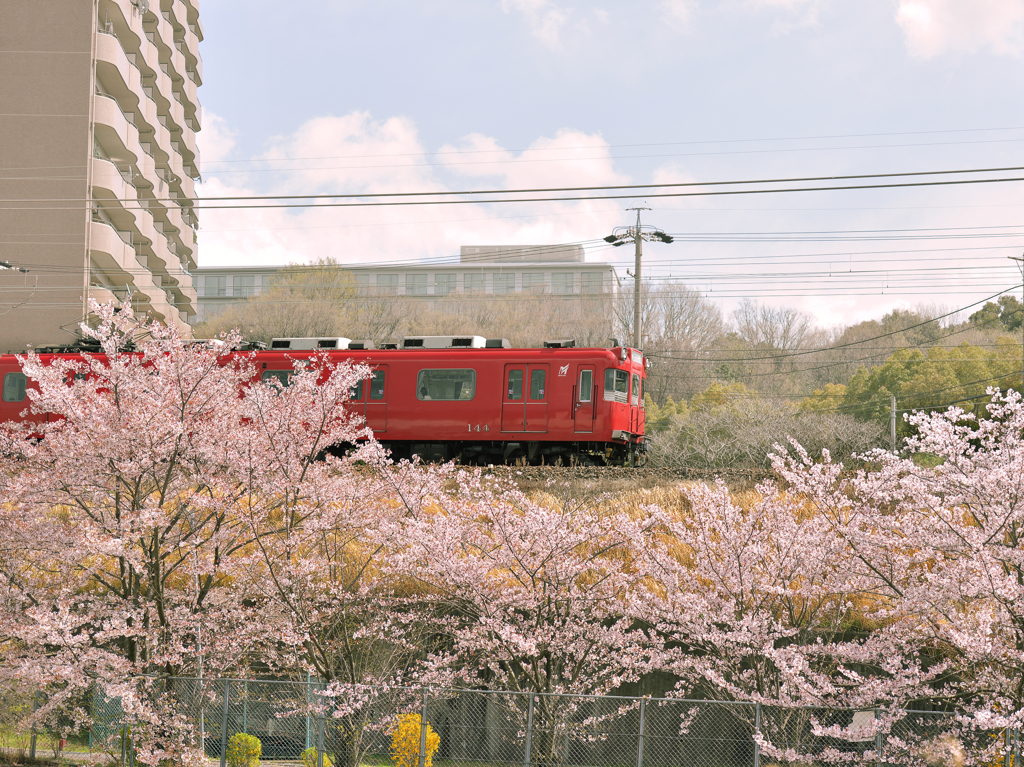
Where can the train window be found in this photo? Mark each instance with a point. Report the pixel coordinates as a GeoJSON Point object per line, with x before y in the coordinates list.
{"type": "Point", "coordinates": [515, 384]}
{"type": "Point", "coordinates": [356, 392]}
{"type": "Point", "coordinates": [377, 385]}
{"type": "Point", "coordinates": [14, 387]}
{"type": "Point", "coordinates": [537, 384]}
{"type": "Point", "coordinates": [636, 389]}
{"type": "Point", "coordinates": [458, 383]}
{"type": "Point", "coordinates": [616, 385]}
{"type": "Point", "coordinates": [282, 376]}
{"type": "Point", "coordinates": [586, 385]}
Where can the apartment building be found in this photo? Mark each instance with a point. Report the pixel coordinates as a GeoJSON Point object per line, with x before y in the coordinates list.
{"type": "Point", "coordinates": [481, 271]}
{"type": "Point", "coordinates": [98, 159]}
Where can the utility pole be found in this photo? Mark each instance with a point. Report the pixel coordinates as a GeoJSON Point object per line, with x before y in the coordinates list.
{"type": "Point", "coordinates": [1020, 265]}
{"type": "Point", "coordinates": [637, 235]}
{"type": "Point", "coordinates": [636, 281]}
{"type": "Point", "coordinates": [892, 421]}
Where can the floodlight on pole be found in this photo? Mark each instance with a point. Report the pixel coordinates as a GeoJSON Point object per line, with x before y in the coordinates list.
{"type": "Point", "coordinates": [636, 234]}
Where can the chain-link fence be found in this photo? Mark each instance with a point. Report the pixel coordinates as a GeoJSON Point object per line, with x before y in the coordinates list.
{"type": "Point", "coordinates": [481, 728]}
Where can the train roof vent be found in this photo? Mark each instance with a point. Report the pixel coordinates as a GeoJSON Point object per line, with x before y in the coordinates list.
{"type": "Point", "coordinates": [497, 343]}
{"type": "Point", "coordinates": [565, 343]}
{"type": "Point", "coordinates": [306, 344]}
{"type": "Point", "coordinates": [444, 342]}
{"type": "Point", "coordinates": [359, 345]}
{"type": "Point", "coordinates": [388, 346]}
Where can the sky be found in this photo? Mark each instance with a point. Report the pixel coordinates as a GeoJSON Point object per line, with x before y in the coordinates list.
{"type": "Point", "coordinates": [339, 97]}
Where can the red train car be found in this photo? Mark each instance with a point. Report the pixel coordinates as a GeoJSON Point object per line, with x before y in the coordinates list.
{"type": "Point", "coordinates": [471, 399]}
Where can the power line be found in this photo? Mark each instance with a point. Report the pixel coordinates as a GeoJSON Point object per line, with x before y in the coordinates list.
{"type": "Point", "coordinates": [630, 146]}
{"type": "Point", "coordinates": [598, 188]}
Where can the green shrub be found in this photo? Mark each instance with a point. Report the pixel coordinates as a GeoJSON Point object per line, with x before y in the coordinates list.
{"type": "Point", "coordinates": [244, 750]}
{"type": "Point", "coordinates": [309, 758]}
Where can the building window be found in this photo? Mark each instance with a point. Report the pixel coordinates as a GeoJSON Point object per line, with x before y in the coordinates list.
{"type": "Point", "coordinates": [415, 284]}
{"type": "Point", "coordinates": [215, 286]}
{"type": "Point", "coordinates": [446, 384]}
{"type": "Point", "coordinates": [563, 283]}
{"type": "Point", "coordinates": [362, 282]}
{"type": "Point", "coordinates": [387, 283]}
{"type": "Point", "coordinates": [244, 285]}
{"type": "Point", "coordinates": [505, 283]}
{"type": "Point", "coordinates": [444, 284]}
{"type": "Point", "coordinates": [473, 283]}
{"type": "Point", "coordinates": [14, 387]}
{"type": "Point", "coordinates": [591, 282]}
{"type": "Point", "coordinates": [534, 282]}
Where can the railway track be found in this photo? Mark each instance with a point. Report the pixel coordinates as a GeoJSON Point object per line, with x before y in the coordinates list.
{"type": "Point", "coordinates": [642, 476]}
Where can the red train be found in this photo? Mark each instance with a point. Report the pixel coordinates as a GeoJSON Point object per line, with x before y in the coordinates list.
{"type": "Point", "coordinates": [471, 399]}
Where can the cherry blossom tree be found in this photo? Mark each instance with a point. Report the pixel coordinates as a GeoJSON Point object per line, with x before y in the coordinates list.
{"type": "Point", "coordinates": [126, 515]}
{"type": "Point", "coordinates": [336, 610]}
{"type": "Point", "coordinates": [936, 537]}
{"type": "Point", "coordinates": [756, 605]}
{"type": "Point", "coordinates": [535, 596]}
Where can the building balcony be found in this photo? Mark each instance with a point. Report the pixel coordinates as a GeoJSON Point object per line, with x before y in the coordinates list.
{"type": "Point", "coordinates": [115, 133]}
{"type": "Point", "coordinates": [120, 78]}
{"type": "Point", "coordinates": [126, 20]}
{"type": "Point", "coordinates": [112, 252]}
{"type": "Point", "coordinates": [114, 194]}
{"type": "Point", "coordinates": [105, 295]}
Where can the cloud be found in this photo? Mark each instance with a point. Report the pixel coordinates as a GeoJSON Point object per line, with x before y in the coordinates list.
{"type": "Point", "coordinates": [935, 27]}
{"type": "Point", "coordinates": [357, 154]}
{"type": "Point", "coordinates": [216, 140]}
{"type": "Point", "coordinates": [802, 13]}
{"type": "Point", "coordinates": [546, 19]}
{"type": "Point", "coordinates": [678, 13]}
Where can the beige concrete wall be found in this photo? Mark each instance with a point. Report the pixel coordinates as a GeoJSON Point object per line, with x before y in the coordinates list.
{"type": "Point", "coordinates": [46, 85]}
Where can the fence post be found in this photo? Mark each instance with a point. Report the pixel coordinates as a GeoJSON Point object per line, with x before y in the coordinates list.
{"type": "Point", "coordinates": [878, 739]}
{"type": "Point", "coordinates": [529, 733]}
{"type": "Point", "coordinates": [757, 733]}
{"type": "Point", "coordinates": [1016, 747]}
{"type": "Point", "coordinates": [224, 724]}
{"type": "Point", "coordinates": [245, 707]}
{"type": "Point", "coordinates": [423, 731]}
{"type": "Point", "coordinates": [308, 744]}
{"type": "Point", "coordinates": [640, 739]}
{"type": "Point", "coordinates": [320, 727]}
{"type": "Point", "coordinates": [32, 742]}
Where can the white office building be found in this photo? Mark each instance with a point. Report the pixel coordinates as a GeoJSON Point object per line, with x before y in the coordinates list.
{"type": "Point", "coordinates": [482, 270]}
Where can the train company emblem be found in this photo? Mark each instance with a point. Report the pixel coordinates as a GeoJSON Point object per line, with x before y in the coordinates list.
{"type": "Point", "coordinates": [563, 371]}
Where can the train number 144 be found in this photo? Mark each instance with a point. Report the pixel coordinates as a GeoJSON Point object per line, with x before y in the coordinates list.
{"type": "Point", "coordinates": [470, 427]}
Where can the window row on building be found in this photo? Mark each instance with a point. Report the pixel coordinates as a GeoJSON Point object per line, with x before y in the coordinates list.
{"type": "Point", "coordinates": [427, 284]}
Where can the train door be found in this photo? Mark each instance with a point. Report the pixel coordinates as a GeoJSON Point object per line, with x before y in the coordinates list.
{"type": "Point", "coordinates": [513, 402]}
{"type": "Point", "coordinates": [634, 405]}
{"type": "Point", "coordinates": [357, 400]}
{"type": "Point", "coordinates": [583, 408]}
{"type": "Point", "coordinates": [377, 399]}
{"type": "Point", "coordinates": [537, 398]}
